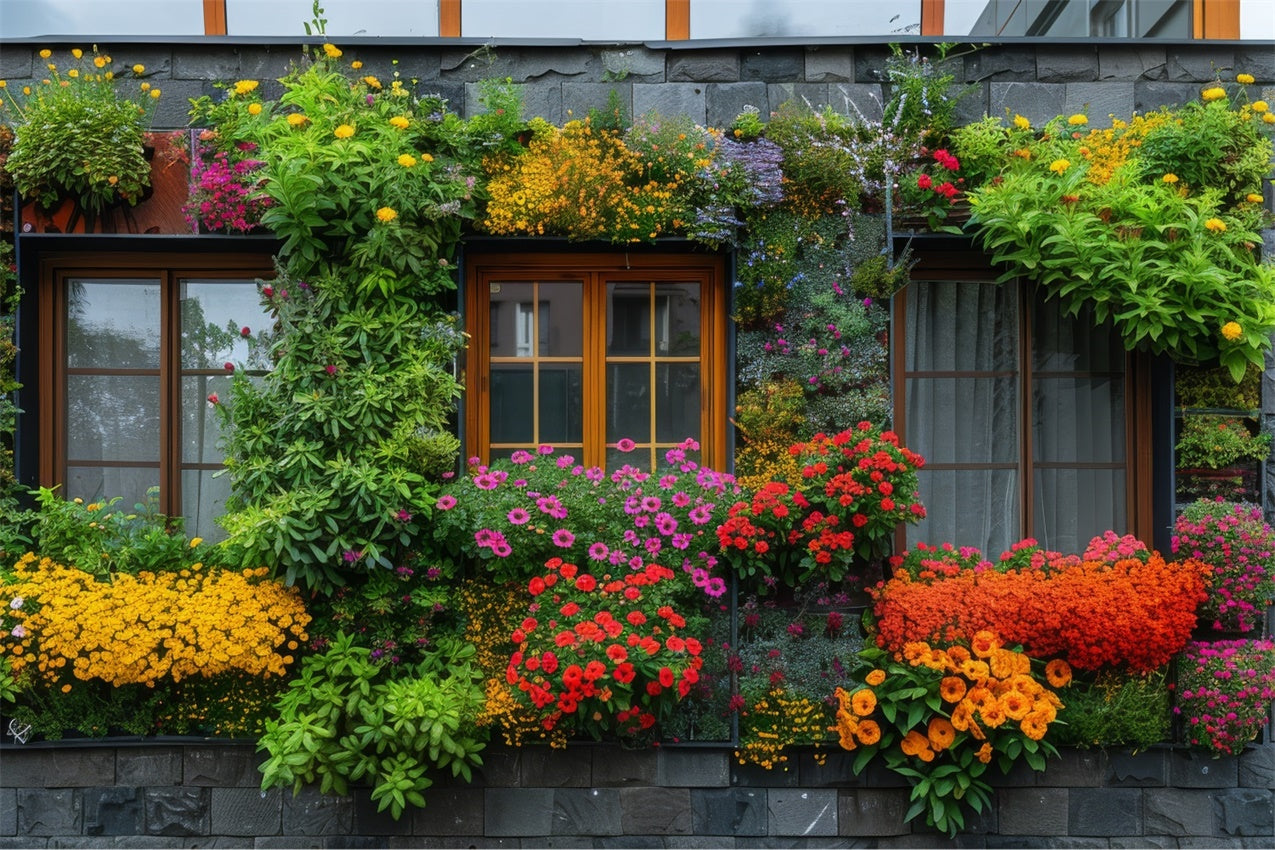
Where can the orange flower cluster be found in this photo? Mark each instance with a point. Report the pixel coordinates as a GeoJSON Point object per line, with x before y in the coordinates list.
{"type": "Point", "coordinates": [1128, 614]}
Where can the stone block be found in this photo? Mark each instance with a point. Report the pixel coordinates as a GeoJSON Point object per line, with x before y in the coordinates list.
{"type": "Point", "coordinates": [371, 819]}
{"type": "Point", "coordinates": [702, 66]}
{"type": "Point", "coordinates": [692, 768]}
{"type": "Point", "coordinates": [1033, 811]}
{"type": "Point", "coordinates": [517, 811]}
{"type": "Point", "coordinates": [755, 776]}
{"type": "Point", "coordinates": [543, 767]}
{"type": "Point", "coordinates": [1257, 764]}
{"type": "Point", "coordinates": [699, 842]}
{"type": "Point", "coordinates": [585, 811]}
{"type": "Point", "coordinates": [58, 811]}
{"type": "Point", "coordinates": [830, 64]}
{"type": "Point", "coordinates": [814, 96]}
{"type": "Point", "coordinates": [246, 811]}
{"type": "Point", "coordinates": [1103, 811]}
{"type": "Point", "coordinates": [312, 813]}
{"type": "Point", "coordinates": [973, 106]}
{"type": "Point", "coordinates": [1202, 843]}
{"type": "Point", "coordinates": [729, 811]}
{"type": "Point", "coordinates": [1132, 842]}
{"type": "Point", "coordinates": [1258, 60]}
{"type": "Point", "coordinates": [862, 101]}
{"type": "Point", "coordinates": [500, 768]}
{"type": "Point", "coordinates": [521, 65]}
{"type": "Point", "coordinates": [802, 811]}
{"type": "Point", "coordinates": [1002, 64]}
{"type": "Point", "coordinates": [579, 98]}
{"type": "Point", "coordinates": [870, 63]}
{"type": "Point", "coordinates": [637, 63]}
{"type": "Point", "coordinates": [113, 811]}
{"type": "Point", "coordinates": [775, 65]}
{"type": "Point", "coordinates": [725, 101]}
{"type": "Point", "coordinates": [540, 100]}
{"type": "Point", "coordinates": [1140, 62]}
{"type": "Point", "coordinates": [1070, 64]}
{"type": "Point", "coordinates": [1245, 812]}
{"type": "Point", "coordinates": [1196, 769]}
{"type": "Point", "coordinates": [1149, 95]}
{"type": "Point", "coordinates": [8, 811]}
{"type": "Point", "coordinates": [1099, 100]}
{"type": "Point", "coordinates": [17, 64]}
{"type": "Point", "coordinates": [222, 767]}
{"type": "Point", "coordinates": [142, 766]}
{"type": "Point", "coordinates": [613, 766]}
{"type": "Point", "coordinates": [1199, 66]}
{"type": "Point", "coordinates": [1147, 769]}
{"type": "Point", "coordinates": [872, 812]}
{"type": "Point", "coordinates": [670, 99]}
{"type": "Point", "coordinates": [58, 768]}
{"type": "Point", "coordinates": [655, 811]}
{"type": "Point", "coordinates": [1043, 841]}
{"type": "Point", "coordinates": [1037, 102]}
{"type": "Point", "coordinates": [1173, 811]}
{"type": "Point", "coordinates": [1076, 769]}
{"type": "Point", "coordinates": [450, 811]}
{"type": "Point", "coordinates": [177, 811]}
{"type": "Point", "coordinates": [834, 768]}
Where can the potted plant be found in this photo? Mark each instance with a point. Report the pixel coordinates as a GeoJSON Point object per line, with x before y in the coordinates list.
{"type": "Point", "coordinates": [1235, 539]}
{"type": "Point", "coordinates": [80, 136]}
{"type": "Point", "coordinates": [1225, 690]}
{"type": "Point", "coordinates": [1218, 455]}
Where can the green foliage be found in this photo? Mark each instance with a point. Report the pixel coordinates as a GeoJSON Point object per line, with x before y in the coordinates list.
{"type": "Point", "coordinates": [346, 719]}
{"type": "Point", "coordinates": [1216, 442]}
{"type": "Point", "coordinates": [921, 105]}
{"type": "Point", "coordinates": [1116, 709]}
{"type": "Point", "coordinates": [1213, 388]}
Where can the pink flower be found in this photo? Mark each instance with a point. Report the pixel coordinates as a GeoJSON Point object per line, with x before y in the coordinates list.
{"type": "Point", "coordinates": [212, 399]}
{"type": "Point", "coordinates": [563, 538]}
{"type": "Point", "coordinates": [228, 366]}
{"type": "Point", "coordinates": [625, 445]}
{"type": "Point", "coordinates": [445, 503]}
{"type": "Point", "coordinates": [518, 516]}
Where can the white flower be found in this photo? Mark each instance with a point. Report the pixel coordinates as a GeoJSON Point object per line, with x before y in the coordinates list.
{"type": "Point", "coordinates": [19, 631]}
{"type": "Point", "coordinates": [16, 603]}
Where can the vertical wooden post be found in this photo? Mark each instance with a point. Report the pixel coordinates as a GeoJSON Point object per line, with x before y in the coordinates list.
{"type": "Point", "coordinates": [449, 18]}
{"type": "Point", "coordinates": [677, 20]}
{"type": "Point", "coordinates": [1216, 19]}
{"type": "Point", "coordinates": [932, 13]}
{"type": "Point", "coordinates": [214, 17]}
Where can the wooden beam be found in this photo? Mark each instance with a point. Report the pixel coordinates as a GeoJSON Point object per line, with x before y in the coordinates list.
{"type": "Point", "coordinates": [1216, 19]}
{"type": "Point", "coordinates": [932, 16]}
{"type": "Point", "coordinates": [677, 20]}
{"type": "Point", "coordinates": [449, 18]}
{"type": "Point", "coordinates": [214, 17]}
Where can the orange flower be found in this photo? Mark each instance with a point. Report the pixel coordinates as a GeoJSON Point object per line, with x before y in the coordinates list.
{"type": "Point", "coordinates": [869, 733]}
{"type": "Point", "coordinates": [984, 753]}
{"type": "Point", "coordinates": [864, 702]}
{"type": "Point", "coordinates": [992, 715]}
{"type": "Point", "coordinates": [984, 643]}
{"type": "Point", "coordinates": [975, 670]}
{"type": "Point", "coordinates": [1034, 726]}
{"type": "Point", "coordinates": [1015, 705]}
{"type": "Point", "coordinates": [1058, 673]}
{"type": "Point", "coordinates": [875, 678]}
{"type": "Point", "coordinates": [952, 688]}
{"type": "Point", "coordinates": [941, 734]}
{"type": "Point", "coordinates": [913, 742]}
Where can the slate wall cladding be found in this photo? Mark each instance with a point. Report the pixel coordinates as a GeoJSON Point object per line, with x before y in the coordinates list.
{"type": "Point", "coordinates": [664, 797]}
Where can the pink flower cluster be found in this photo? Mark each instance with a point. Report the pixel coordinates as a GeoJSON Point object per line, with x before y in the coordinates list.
{"type": "Point", "coordinates": [1235, 539]}
{"type": "Point", "coordinates": [1225, 690]}
{"type": "Point", "coordinates": [225, 191]}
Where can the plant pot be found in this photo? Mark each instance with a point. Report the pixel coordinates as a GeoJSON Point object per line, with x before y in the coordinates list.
{"type": "Point", "coordinates": [1240, 482]}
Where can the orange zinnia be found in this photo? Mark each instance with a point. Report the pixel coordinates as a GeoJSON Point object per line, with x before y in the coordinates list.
{"type": "Point", "coordinates": [952, 688]}
{"type": "Point", "coordinates": [984, 644]}
{"type": "Point", "coordinates": [984, 753]}
{"type": "Point", "coordinates": [941, 734]}
{"type": "Point", "coordinates": [1034, 726]}
{"type": "Point", "coordinates": [1015, 705]}
{"type": "Point", "coordinates": [975, 670]}
{"type": "Point", "coordinates": [992, 714]}
{"type": "Point", "coordinates": [1058, 673]}
{"type": "Point", "coordinates": [875, 678]}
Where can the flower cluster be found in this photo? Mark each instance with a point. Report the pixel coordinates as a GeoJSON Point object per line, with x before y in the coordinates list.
{"type": "Point", "coordinates": [931, 189]}
{"type": "Point", "coordinates": [1132, 614]}
{"type": "Point", "coordinates": [1225, 691]}
{"type": "Point", "coordinates": [1216, 442]}
{"type": "Point", "coordinates": [224, 191]}
{"type": "Point", "coordinates": [61, 624]}
{"type": "Point", "coordinates": [939, 716]}
{"type": "Point", "coordinates": [602, 653]}
{"type": "Point", "coordinates": [1111, 547]}
{"type": "Point", "coordinates": [775, 722]}
{"type": "Point", "coordinates": [1237, 542]}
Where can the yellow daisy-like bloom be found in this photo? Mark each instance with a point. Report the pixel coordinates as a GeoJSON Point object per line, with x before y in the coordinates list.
{"type": "Point", "coordinates": [1244, 79]}
{"type": "Point", "coordinates": [77, 52]}
{"type": "Point", "coordinates": [952, 689]}
{"type": "Point", "coordinates": [372, 82]}
{"type": "Point", "coordinates": [99, 62]}
{"type": "Point", "coordinates": [406, 160]}
{"type": "Point", "coordinates": [1216, 225]}
{"type": "Point", "coordinates": [1058, 166]}
{"type": "Point", "coordinates": [400, 122]}
{"type": "Point", "coordinates": [343, 131]}
{"type": "Point", "coordinates": [154, 94]}
{"type": "Point", "coordinates": [1211, 94]}
{"type": "Point", "coordinates": [1022, 123]}
{"type": "Point", "coordinates": [46, 53]}
{"type": "Point", "coordinates": [386, 214]}
{"type": "Point", "coordinates": [146, 86]}
{"type": "Point", "coordinates": [73, 73]}
{"type": "Point", "coordinates": [1259, 106]}
{"type": "Point", "coordinates": [1078, 119]}
{"type": "Point", "coordinates": [1232, 331]}
{"type": "Point", "coordinates": [296, 119]}
{"type": "Point", "coordinates": [356, 64]}
{"type": "Point", "coordinates": [254, 109]}
{"type": "Point", "coordinates": [875, 678]}
{"type": "Point", "coordinates": [426, 158]}
{"type": "Point", "coordinates": [139, 69]}
{"type": "Point", "coordinates": [4, 84]}
{"type": "Point", "coordinates": [332, 51]}
{"type": "Point", "coordinates": [245, 86]}
{"type": "Point", "coordinates": [1170, 178]}
{"type": "Point", "coordinates": [1268, 117]}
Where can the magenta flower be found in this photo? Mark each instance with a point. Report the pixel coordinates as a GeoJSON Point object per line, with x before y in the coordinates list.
{"type": "Point", "coordinates": [518, 516]}
{"type": "Point", "coordinates": [563, 538]}
{"type": "Point", "coordinates": [520, 457]}
{"type": "Point", "coordinates": [486, 481]}
{"type": "Point", "coordinates": [599, 551]}
{"type": "Point", "coordinates": [626, 445]}
{"type": "Point", "coordinates": [445, 503]}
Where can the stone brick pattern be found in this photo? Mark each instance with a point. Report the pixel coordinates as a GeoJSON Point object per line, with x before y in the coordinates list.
{"type": "Point", "coordinates": [595, 795]}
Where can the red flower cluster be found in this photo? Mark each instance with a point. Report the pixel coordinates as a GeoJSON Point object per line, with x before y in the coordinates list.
{"type": "Point", "coordinates": [601, 654]}
{"type": "Point", "coordinates": [1131, 615]}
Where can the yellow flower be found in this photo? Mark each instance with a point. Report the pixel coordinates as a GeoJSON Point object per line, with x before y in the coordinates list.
{"type": "Point", "coordinates": [4, 84]}
{"type": "Point", "coordinates": [1216, 225]}
{"type": "Point", "coordinates": [254, 109]}
{"type": "Point", "coordinates": [332, 51]}
{"type": "Point", "coordinates": [195, 541]}
{"type": "Point", "coordinates": [372, 82]}
{"type": "Point", "coordinates": [139, 69]}
{"type": "Point", "coordinates": [46, 53]}
{"type": "Point", "coordinates": [1244, 79]}
{"type": "Point", "coordinates": [1058, 166]}
{"type": "Point", "coordinates": [1260, 106]}
{"type": "Point", "coordinates": [356, 64]}
{"type": "Point", "coordinates": [1078, 119]}
{"type": "Point", "coordinates": [426, 158]}
{"type": "Point", "coordinates": [875, 678]}
{"type": "Point", "coordinates": [146, 86]}
{"type": "Point", "coordinates": [1023, 153]}
{"type": "Point", "coordinates": [344, 131]}
{"type": "Point", "coordinates": [1211, 94]}
{"type": "Point", "coordinates": [863, 702]}
{"type": "Point", "coordinates": [155, 94]}
{"type": "Point", "coordinates": [1232, 331]}
{"type": "Point", "coordinates": [1253, 198]}
{"type": "Point", "coordinates": [400, 122]}
{"type": "Point", "coordinates": [245, 86]}
{"type": "Point", "coordinates": [296, 119]}
{"type": "Point", "coordinates": [77, 52]}
{"type": "Point", "coordinates": [1269, 117]}
{"type": "Point", "coordinates": [386, 214]}
{"type": "Point", "coordinates": [73, 73]}
{"type": "Point", "coordinates": [406, 160]}
{"type": "Point", "coordinates": [1170, 178]}
{"type": "Point", "coordinates": [99, 62]}
{"type": "Point", "coordinates": [1022, 123]}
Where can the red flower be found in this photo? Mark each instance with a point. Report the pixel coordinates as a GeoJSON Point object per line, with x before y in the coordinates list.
{"type": "Point", "coordinates": [924, 182]}
{"type": "Point", "coordinates": [666, 677]}
{"type": "Point", "coordinates": [536, 586]}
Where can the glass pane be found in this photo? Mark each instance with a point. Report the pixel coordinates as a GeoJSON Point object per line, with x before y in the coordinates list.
{"type": "Point", "coordinates": [137, 17]}
{"type": "Point", "coordinates": [629, 319]}
{"type": "Point", "coordinates": [552, 327]}
{"type": "Point", "coordinates": [1078, 420]}
{"type": "Point", "coordinates": [754, 18]}
{"type": "Point", "coordinates": [112, 325]}
{"type": "Point", "coordinates": [560, 329]}
{"type": "Point", "coordinates": [561, 403]}
{"type": "Point", "coordinates": [112, 417]}
{"type": "Point", "coordinates": [677, 402]}
{"type": "Point", "coordinates": [94, 484]}
{"type": "Point", "coordinates": [677, 319]}
{"type": "Point", "coordinates": [613, 20]}
{"type": "Point", "coordinates": [213, 312]}
{"type": "Point", "coordinates": [510, 328]}
{"type": "Point", "coordinates": [961, 327]}
{"type": "Point", "coordinates": [1065, 344]}
{"type": "Point", "coordinates": [628, 402]}
{"type": "Point", "coordinates": [974, 507]}
{"type": "Point", "coordinates": [204, 493]}
{"type": "Point", "coordinates": [512, 404]}
{"type": "Point", "coordinates": [344, 18]}
{"type": "Point", "coordinates": [201, 426]}
{"type": "Point", "coordinates": [963, 420]}
{"type": "Point", "coordinates": [1108, 19]}
{"type": "Point", "coordinates": [1073, 506]}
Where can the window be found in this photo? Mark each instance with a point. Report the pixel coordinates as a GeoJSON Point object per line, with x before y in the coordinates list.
{"type": "Point", "coordinates": [135, 351]}
{"type": "Point", "coordinates": [583, 351]}
{"type": "Point", "coordinates": [1029, 420]}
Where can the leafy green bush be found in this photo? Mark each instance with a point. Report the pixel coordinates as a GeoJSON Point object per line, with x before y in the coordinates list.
{"type": "Point", "coordinates": [1116, 709]}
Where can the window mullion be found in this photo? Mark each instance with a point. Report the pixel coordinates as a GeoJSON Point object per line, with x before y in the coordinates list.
{"type": "Point", "coordinates": [594, 316]}
{"type": "Point", "coordinates": [170, 395]}
{"type": "Point", "coordinates": [1027, 471]}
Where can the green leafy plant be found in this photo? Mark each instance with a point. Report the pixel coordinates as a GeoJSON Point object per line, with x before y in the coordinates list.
{"type": "Point", "coordinates": [1217, 442]}
{"type": "Point", "coordinates": [1113, 708]}
{"type": "Point", "coordinates": [1213, 388]}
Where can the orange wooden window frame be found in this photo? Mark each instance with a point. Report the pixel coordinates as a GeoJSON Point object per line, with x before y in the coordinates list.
{"type": "Point", "coordinates": [1218, 19]}
{"type": "Point", "coordinates": [932, 16]}
{"type": "Point", "coordinates": [214, 17]}
{"type": "Point", "coordinates": [677, 20]}
{"type": "Point", "coordinates": [168, 270]}
{"type": "Point", "coordinates": [482, 270]}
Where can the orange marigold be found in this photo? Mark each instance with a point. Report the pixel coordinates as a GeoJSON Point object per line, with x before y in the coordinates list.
{"type": "Point", "coordinates": [1058, 673]}
{"type": "Point", "coordinates": [940, 733]}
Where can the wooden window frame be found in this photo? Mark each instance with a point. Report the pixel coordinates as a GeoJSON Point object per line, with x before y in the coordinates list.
{"type": "Point", "coordinates": [1138, 463]}
{"type": "Point", "coordinates": [481, 267]}
{"type": "Point", "coordinates": [169, 270]}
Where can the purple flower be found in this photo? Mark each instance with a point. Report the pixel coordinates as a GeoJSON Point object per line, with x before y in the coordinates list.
{"type": "Point", "coordinates": [518, 516]}
{"type": "Point", "coordinates": [486, 481]}
{"type": "Point", "coordinates": [563, 538]}
{"type": "Point", "coordinates": [520, 456]}
{"type": "Point", "coordinates": [599, 551]}
{"type": "Point", "coordinates": [351, 555]}
{"type": "Point", "coordinates": [665, 523]}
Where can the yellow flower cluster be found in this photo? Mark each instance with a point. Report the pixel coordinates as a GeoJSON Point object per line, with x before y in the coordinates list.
{"type": "Point", "coordinates": [778, 721]}
{"type": "Point", "coordinates": [759, 462]}
{"type": "Point", "coordinates": [1111, 147]}
{"type": "Point", "coordinates": [140, 629]}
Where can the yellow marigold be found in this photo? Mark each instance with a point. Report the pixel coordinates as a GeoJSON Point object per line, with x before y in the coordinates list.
{"type": "Point", "coordinates": [73, 73]}
{"type": "Point", "coordinates": [1268, 117]}
{"type": "Point", "coordinates": [1213, 93]}
{"type": "Point", "coordinates": [356, 64]}
{"type": "Point", "coordinates": [1216, 225]}
{"type": "Point", "coordinates": [343, 131]}
{"type": "Point", "coordinates": [99, 61]}
{"type": "Point", "coordinates": [1058, 166]}
{"type": "Point", "coordinates": [952, 688]}
{"type": "Point", "coordinates": [1232, 331]}
{"type": "Point", "coordinates": [254, 109]}
{"type": "Point", "coordinates": [1259, 106]}
{"type": "Point", "coordinates": [139, 68]}
{"type": "Point", "coordinates": [4, 84]}
{"type": "Point", "coordinates": [46, 53]}
{"type": "Point", "coordinates": [1078, 119]}
{"type": "Point", "coordinates": [406, 160]}
{"type": "Point", "coordinates": [372, 82]}
{"type": "Point", "coordinates": [1022, 123]}
{"type": "Point", "coordinates": [245, 86]}
{"type": "Point", "coordinates": [1244, 79]}
{"type": "Point", "coordinates": [864, 702]}
{"type": "Point", "coordinates": [426, 158]}
{"type": "Point", "coordinates": [386, 214]}
{"type": "Point", "coordinates": [77, 52]}
{"type": "Point", "coordinates": [155, 94]}
{"type": "Point", "coordinates": [875, 678]}
{"type": "Point", "coordinates": [1253, 198]}
{"type": "Point", "coordinates": [400, 122]}
{"type": "Point", "coordinates": [332, 51]}
{"type": "Point", "coordinates": [1170, 178]}
{"type": "Point", "coordinates": [1023, 153]}
{"type": "Point", "coordinates": [296, 119]}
